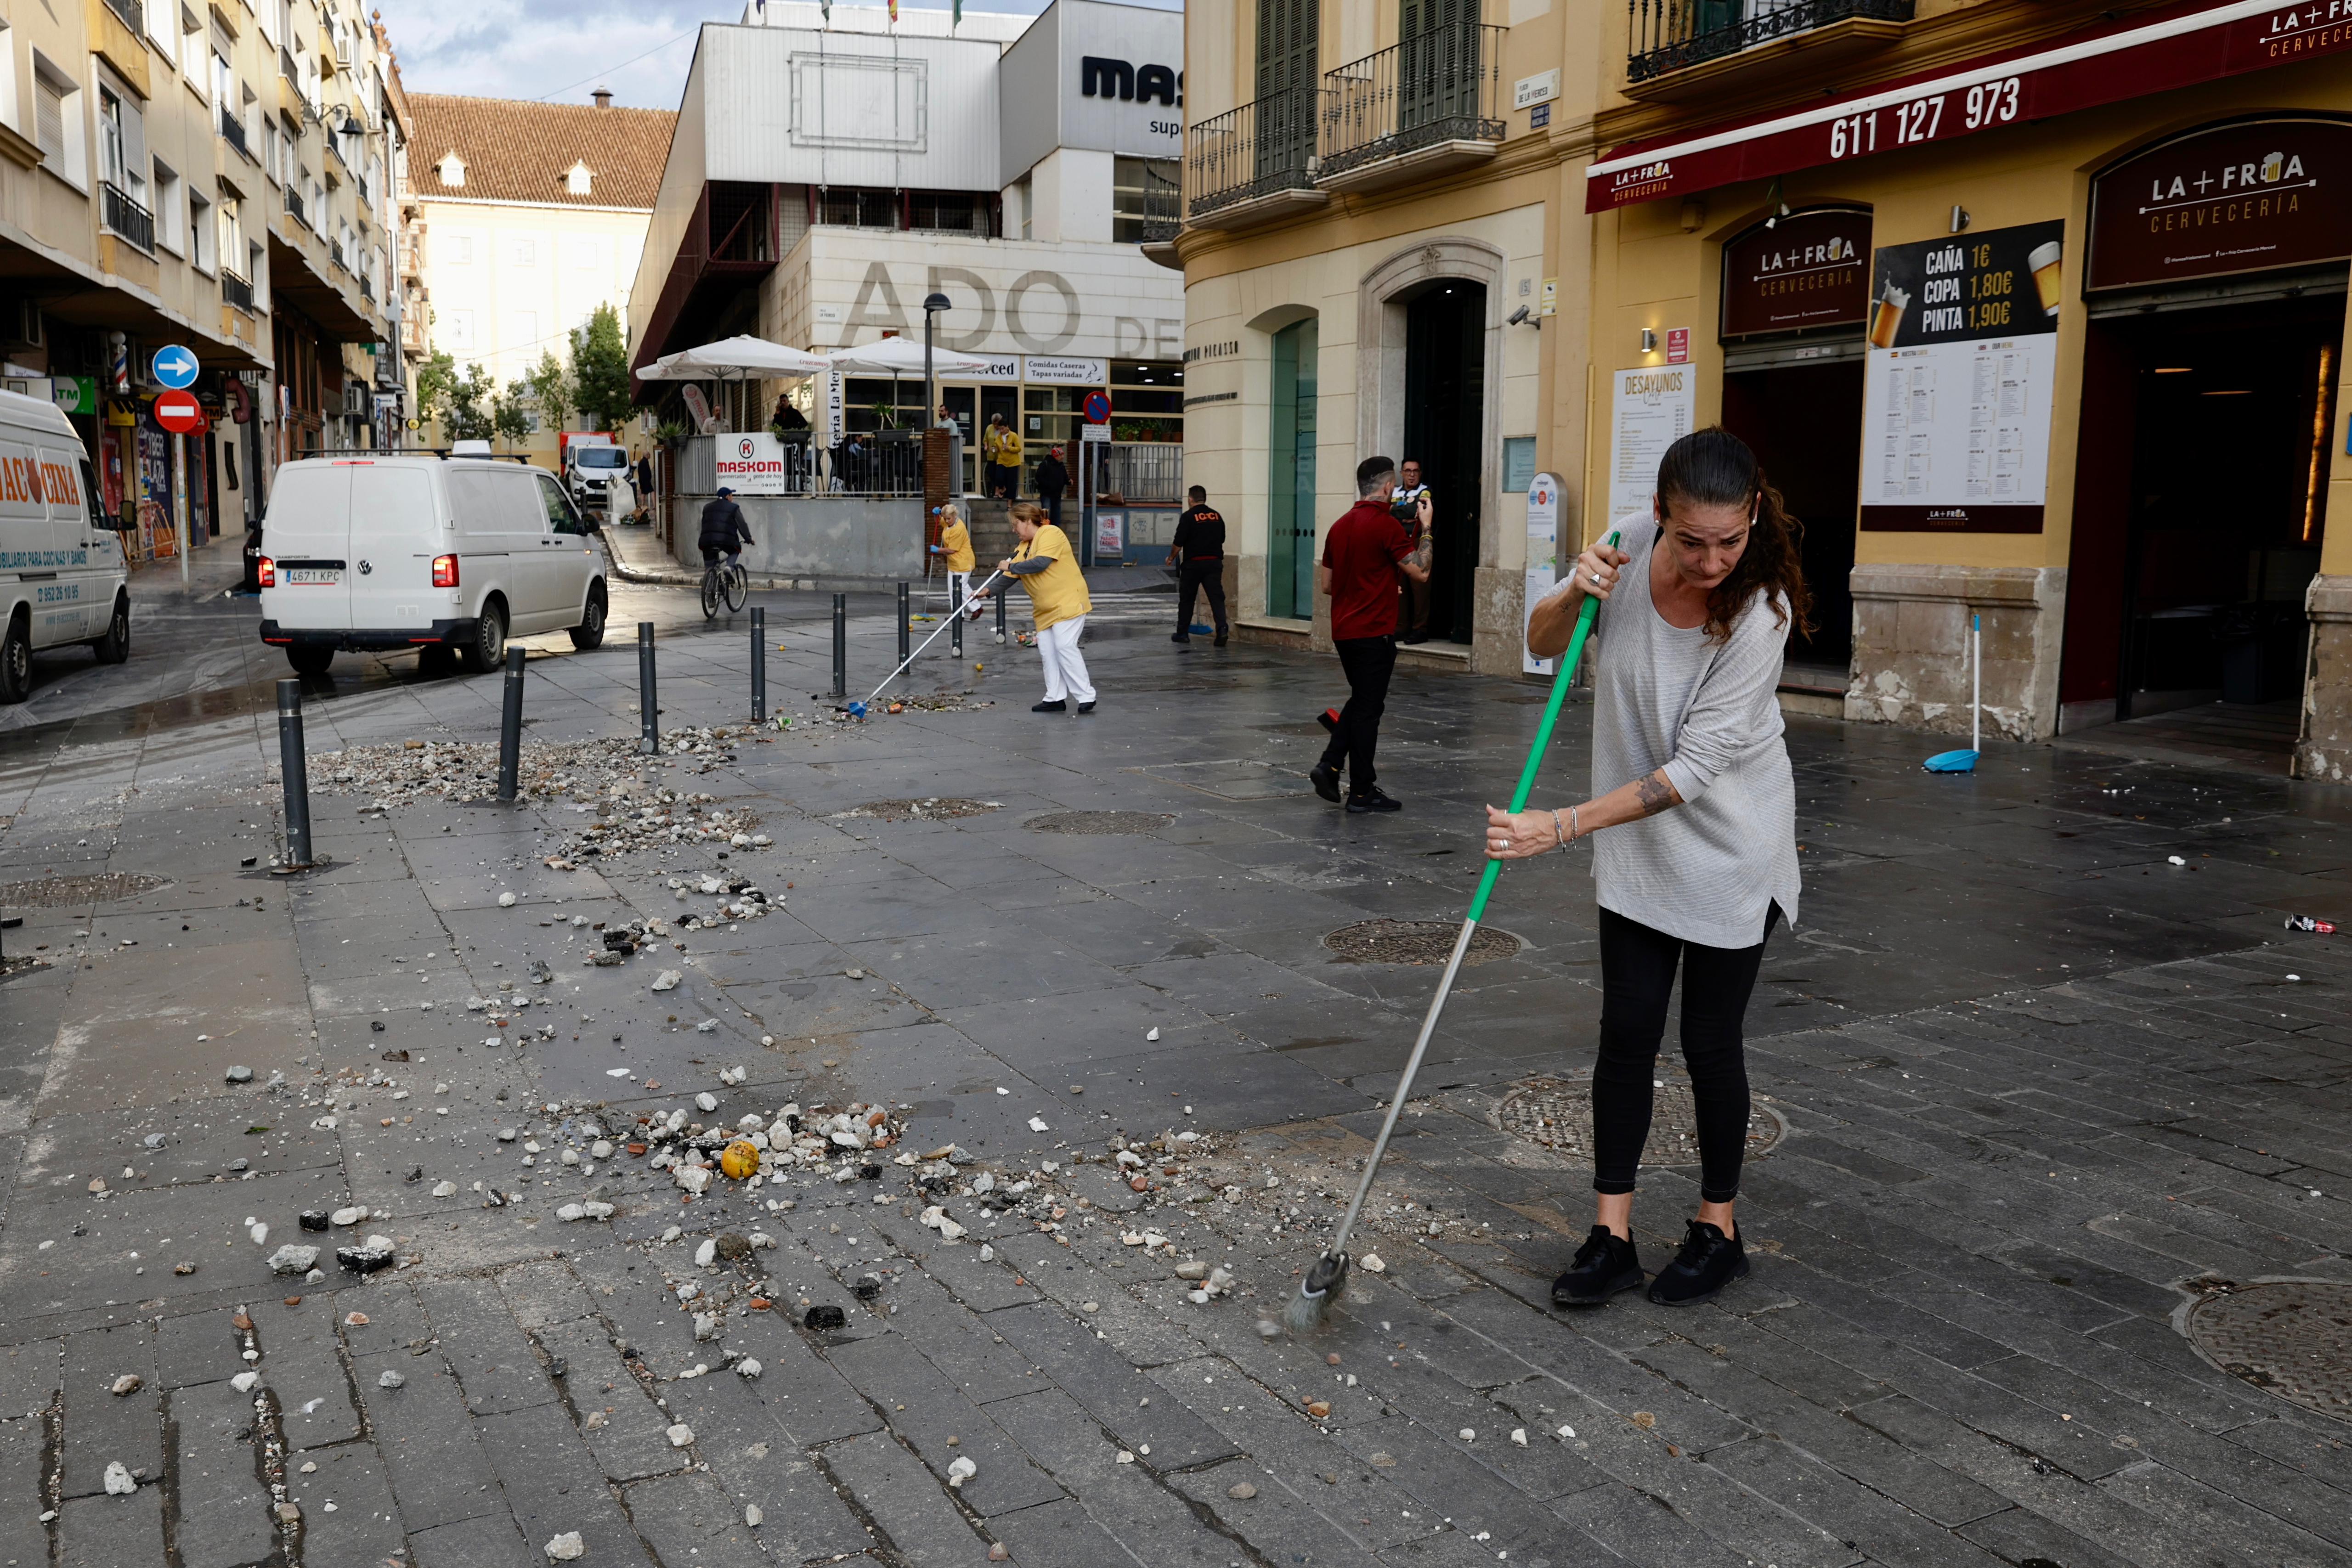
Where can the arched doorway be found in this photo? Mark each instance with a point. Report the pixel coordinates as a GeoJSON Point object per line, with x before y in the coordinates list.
{"type": "Point", "coordinates": [1444, 431]}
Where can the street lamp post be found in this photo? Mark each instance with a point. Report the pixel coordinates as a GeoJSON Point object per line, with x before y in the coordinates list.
{"type": "Point", "coordinates": [932, 305]}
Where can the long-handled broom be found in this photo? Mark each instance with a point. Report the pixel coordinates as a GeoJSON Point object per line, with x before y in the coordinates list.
{"type": "Point", "coordinates": [1328, 1275]}
{"type": "Point", "coordinates": [858, 709]}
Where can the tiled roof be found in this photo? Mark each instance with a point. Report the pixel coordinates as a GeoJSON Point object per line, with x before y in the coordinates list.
{"type": "Point", "coordinates": [520, 151]}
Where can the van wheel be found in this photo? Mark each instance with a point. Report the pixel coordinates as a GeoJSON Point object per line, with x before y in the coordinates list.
{"type": "Point", "coordinates": [16, 661]}
{"type": "Point", "coordinates": [114, 648]}
{"type": "Point", "coordinates": [310, 658]}
{"type": "Point", "coordinates": [487, 649]}
{"type": "Point", "coordinates": [589, 633]}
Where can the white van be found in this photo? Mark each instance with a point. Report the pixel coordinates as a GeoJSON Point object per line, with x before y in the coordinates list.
{"type": "Point", "coordinates": [599, 475]}
{"type": "Point", "coordinates": [408, 550]}
{"type": "Point", "coordinates": [61, 573]}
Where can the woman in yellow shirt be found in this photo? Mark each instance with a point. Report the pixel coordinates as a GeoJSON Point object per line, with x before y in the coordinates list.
{"type": "Point", "coordinates": [954, 549]}
{"type": "Point", "coordinates": [1047, 568]}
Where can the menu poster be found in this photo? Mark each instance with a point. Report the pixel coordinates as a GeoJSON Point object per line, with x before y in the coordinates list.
{"type": "Point", "coordinates": [1543, 560]}
{"type": "Point", "coordinates": [1963, 365]}
{"type": "Point", "coordinates": [1650, 409]}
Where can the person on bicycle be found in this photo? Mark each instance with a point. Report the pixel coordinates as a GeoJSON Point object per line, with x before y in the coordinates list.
{"type": "Point", "coordinates": [724, 531]}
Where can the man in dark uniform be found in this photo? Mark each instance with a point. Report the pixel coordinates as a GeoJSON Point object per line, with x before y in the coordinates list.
{"type": "Point", "coordinates": [723, 530]}
{"type": "Point", "coordinates": [1053, 482]}
{"type": "Point", "coordinates": [1198, 554]}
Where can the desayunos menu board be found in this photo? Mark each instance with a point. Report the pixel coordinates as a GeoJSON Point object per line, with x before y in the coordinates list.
{"type": "Point", "coordinates": [1963, 361]}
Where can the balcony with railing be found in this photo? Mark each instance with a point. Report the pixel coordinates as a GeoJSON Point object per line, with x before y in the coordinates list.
{"type": "Point", "coordinates": [233, 133]}
{"type": "Point", "coordinates": [367, 288]}
{"type": "Point", "coordinates": [294, 206]}
{"type": "Point", "coordinates": [126, 217]}
{"type": "Point", "coordinates": [236, 290]}
{"type": "Point", "coordinates": [1254, 163]}
{"type": "Point", "coordinates": [1421, 107]}
{"type": "Point", "coordinates": [133, 13]}
{"type": "Point", "coordinates": [1680, 48]}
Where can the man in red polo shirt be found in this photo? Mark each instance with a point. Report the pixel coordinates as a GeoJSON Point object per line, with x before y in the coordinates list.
{"type": "Point", "coordinates": [1364, 555]}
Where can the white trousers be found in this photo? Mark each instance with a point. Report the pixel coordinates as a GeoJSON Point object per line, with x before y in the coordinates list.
{"type": "Point", "coordinates": [1065, 667]}
{"type": "Point", "coordinates": [960, 590]}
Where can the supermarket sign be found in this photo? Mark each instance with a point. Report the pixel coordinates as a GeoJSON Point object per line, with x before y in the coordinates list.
{"type": "Point", "coordinates": [2095, 68]}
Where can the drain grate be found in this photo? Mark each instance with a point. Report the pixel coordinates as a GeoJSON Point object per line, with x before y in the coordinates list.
{"type": "Point", "coordinates": [1557, 1113]}
{"type": "Point", "coordinates": [69, 891]}
{"type": "Point", "coordinates": [931, 809]}
{"type": "Point", "coordinates": [1417, 942]}
{"type": "Point", "coordinates": [2293, 1338]}
{"type": "Point", "coordinates": [1138, 824]}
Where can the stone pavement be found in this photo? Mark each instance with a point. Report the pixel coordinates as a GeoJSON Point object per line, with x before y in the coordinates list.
{"type": "Point", "coordinates": [2048, 1091]}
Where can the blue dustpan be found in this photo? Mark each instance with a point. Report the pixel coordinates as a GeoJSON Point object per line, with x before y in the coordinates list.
{"type": "Point", "coordinates": [1966, 761]}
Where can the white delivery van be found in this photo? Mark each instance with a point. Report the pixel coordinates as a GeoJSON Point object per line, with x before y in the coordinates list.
{"type": "Point", "coordinates": [408, 550]}
{"type": "Point", "coordinates": [61, 573]}
{"type": "Point", "coordinates": [599, 476]}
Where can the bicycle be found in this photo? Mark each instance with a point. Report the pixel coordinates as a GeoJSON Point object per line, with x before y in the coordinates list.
{"type": "Point", "coordinates": [723, 581]}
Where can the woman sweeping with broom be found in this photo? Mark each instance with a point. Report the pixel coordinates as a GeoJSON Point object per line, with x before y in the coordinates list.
{"type": "Point", "coordinates": [1696, 812]}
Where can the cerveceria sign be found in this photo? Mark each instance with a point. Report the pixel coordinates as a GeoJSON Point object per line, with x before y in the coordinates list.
{"type": "Point", "coordinates": [1810, 269]}
{"type": "Point", "coordinates": [2241, 197]}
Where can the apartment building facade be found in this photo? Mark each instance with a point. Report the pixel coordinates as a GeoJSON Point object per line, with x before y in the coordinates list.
{"type": "Point", "coordinates": [211, 177]}
{"type": "Point", "coordinates": [2034, 312]}
{"type": "Point", "coordinates": [528, 216]}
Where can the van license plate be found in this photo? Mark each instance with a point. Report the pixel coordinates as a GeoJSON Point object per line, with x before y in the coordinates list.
{"type": "Point", "coordinates": [312, 576]}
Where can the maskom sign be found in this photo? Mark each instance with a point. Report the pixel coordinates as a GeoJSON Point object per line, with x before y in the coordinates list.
{"type": "Point", "coordinates": [2225, 199]}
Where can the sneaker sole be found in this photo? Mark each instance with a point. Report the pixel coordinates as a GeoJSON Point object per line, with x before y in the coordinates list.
{"type": "Point", "coordinates": [1737, 1275]}
{"type": "Point", "coordinates": [1631, 1281]}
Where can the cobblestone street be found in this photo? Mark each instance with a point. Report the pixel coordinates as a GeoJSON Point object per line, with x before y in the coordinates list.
{"type": "Point", "coordinates": [1064, 1040]}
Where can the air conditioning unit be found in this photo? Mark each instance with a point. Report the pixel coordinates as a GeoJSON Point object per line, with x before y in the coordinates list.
{"type": "Point", "coordinates": [355, 396]}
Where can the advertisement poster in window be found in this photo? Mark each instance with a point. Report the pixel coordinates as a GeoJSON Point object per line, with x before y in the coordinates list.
{"type": "Point", "coordinates": [1543, 558]}
{"type": "Point", "coordinates": [1963, 365]}
{"type": "Point", "coordinates": [1651, 409]}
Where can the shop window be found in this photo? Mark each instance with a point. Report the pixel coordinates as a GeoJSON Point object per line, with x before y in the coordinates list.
{"type": "Point", "coordinates": [880, 404]}
{"type": "Point", "coordinates": [957, 211]}
{"type": "Point", "coordinates": [848, 207]}
{"type": "Point", "coordinates": [1147, 400]}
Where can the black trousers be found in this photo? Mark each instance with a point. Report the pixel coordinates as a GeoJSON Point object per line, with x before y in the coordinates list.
{"type": "Point", "coordinates": [1194, 577]}
{"type": "Point", "coordinates": [1004, 474]}
{"type": "Point", "coordinates": [1053, 505]}
{"type": "Point", "coordinates": [1637, 973]}
{"type": "Point", "coordinates": [1368, 662]}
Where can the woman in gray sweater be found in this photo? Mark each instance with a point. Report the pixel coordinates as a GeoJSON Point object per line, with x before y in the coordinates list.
{"type": "Point", "coordinates": [1691, 780]}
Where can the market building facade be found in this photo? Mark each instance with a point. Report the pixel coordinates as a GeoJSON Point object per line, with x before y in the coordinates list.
{"type": "Point", "coordinates": [832, 172]}
{"type": "Point", "coordinates": [2034, 313]}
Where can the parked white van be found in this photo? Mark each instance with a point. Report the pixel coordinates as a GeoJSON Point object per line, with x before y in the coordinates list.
{"type": "Point", "coordinates": [409, 550]}
{"type": "Point", "coordinates": [61, 573]}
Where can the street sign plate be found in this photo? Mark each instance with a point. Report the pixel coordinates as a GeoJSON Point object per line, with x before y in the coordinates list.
{"type": "Point", "coordinates": [178, 412]}
{"type": "Point", "coordinates": [1098, 433]}
{"type": "Point", "coordinates": [176, 367]}
{"type": "Point", "coordinates": [1098, 407]}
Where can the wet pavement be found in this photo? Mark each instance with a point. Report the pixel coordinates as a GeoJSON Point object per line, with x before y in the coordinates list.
{"type": "Point", "coordinates": [2049, 1101]}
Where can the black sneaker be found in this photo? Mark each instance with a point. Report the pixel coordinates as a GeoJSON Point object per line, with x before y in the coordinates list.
{"type": "Point", "coordinates": [1604, 1265]}
{"type": "Point", "coordinates": [1373, 800]}
{"type": "Point", "coordinates": [1221, 639]}
{"type": "Point", "coordinates": [1326, 782]}
{"type": "Point", "coordinates": [1086, 707]}
{"type": "Point", "coordinates": [1709, 1261]}
{"type": "Point", "coordinates": [1179, 637]}
{"type": "Point", "coordinates": [1057, 706]}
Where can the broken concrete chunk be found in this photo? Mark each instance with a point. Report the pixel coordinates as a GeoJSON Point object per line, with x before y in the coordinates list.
{"type": "Point", "coordinates": [118, 1479]}
{"type": "Point", "coordinates": [293, 1260]}
{"type": "Point", "coordinates": [128, 1382]}
{"type": "Point", "coordinates": [960, 1470]}
{"type": "Point", "coordinates": [825, 1316]}
{"type": "Point", "coordinates": [667, 980]}
{"type": "Point", "coordinates": [239, 1076]}
{"type": "Point", "coordinates": [681, 1436]}
{"type": "Point", "coordinates": [244, 1381]}
{"type": "Point", "coordinates": [566, 1548]}
{"type": "Point", "coordinates": [391, 1379]}
{"type": "Point", "coordinates": [364, 1259]}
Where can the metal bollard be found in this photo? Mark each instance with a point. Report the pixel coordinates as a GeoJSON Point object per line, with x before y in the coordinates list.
{"type": "Point", "coordinates": [1000, 615]}
{"type": "Point", "coordinates": [649, 706]}
{"type": "Point", "coordinates": [295, 772]}
{"type": "Point", "coordinates": [904, 633]}
{"type": "Point", "coordinates": [840, 644]}
{"type": "Point", "coordinates": [955, 627]}
{"type": "Point", "coordinates": [511, 726]}
{"type": "Point", "coordinates": [759, 666]}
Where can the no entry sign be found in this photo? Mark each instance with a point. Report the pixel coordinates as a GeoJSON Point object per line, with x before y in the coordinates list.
{"type": "Point", "coordinates": [178, 412]}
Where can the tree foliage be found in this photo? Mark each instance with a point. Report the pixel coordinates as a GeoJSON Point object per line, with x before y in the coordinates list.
{"type": "Point", "coordinates": [551, 384]}
{"type": "Point", "coordinates": [600, 370]}
{"type": "Point", "coordinates": [469, 414]}
{"type": "Point", "coordinates": [434, 377]}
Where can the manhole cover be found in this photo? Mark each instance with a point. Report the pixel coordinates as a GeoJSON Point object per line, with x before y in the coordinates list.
{"type": "Point", "coordinates": [68, 892]}
{"type": "Point", "coordinates": [2293, 1338]}
{"type": "Point", "coordinates": [1136, 824]}
{"type": "Point", "coordinates": [933, 809]}
{"type": "Point", "coordinates": [1417, 942]}
{"type": "Point", "coordinates": [1557, 1113]}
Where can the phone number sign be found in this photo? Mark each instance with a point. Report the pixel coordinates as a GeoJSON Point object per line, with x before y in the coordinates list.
{"type": "Point", "coordinates": [2100, 65]}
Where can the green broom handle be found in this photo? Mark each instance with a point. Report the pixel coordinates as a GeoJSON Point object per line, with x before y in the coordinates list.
{"type": "Point", "coordinates": [1560, 682]}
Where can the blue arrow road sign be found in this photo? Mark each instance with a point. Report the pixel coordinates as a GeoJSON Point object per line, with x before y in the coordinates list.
{"type": "Point", "coordinates": [175, 367]}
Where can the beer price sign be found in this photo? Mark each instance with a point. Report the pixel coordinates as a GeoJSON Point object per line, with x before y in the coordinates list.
{"type": "Point", "coordinates": [1963, 366]}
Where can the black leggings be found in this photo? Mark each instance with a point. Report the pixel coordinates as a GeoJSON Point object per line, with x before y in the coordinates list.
{"type": "Point", "coordinates": [1637, 973]}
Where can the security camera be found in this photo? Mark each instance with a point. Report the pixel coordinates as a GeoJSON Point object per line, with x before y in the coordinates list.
{"type": "Point", "coordinates": [1520, 317]}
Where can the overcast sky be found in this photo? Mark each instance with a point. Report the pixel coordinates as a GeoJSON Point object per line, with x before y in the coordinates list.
{"type": "Point", "coordinates": [560, 50]}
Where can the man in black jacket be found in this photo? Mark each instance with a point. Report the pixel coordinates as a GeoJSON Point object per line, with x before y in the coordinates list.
{"type": "Point", "coordinates": [723, 530]}
{"type": "Point", "coordinates": [1198, 554]}
{"type": "Point", "coordinates": [1052, 479]}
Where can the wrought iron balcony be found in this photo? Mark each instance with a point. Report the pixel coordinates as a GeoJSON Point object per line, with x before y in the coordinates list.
{"type": "Point", "coordinates": [287, 69]}
{"type": "Point", "coordinates": [1163, 209]}
{"type": "Point", "coordinates": [367, 288]}
{"type": "Point", "coordinates": [1445, 85]}
{"type": "Point", "coordinates": [1674, 35]}
{"type": "Point", "coordinates": [233, 131]}
{"type": "Point", "coordinates": [127, 218]}
{"type": "Point", "coordinates": [294, 204]}
{"type": "Point", "coordinates": [235, 291]}
{"type": "Point", "coordinates": [1260, 148]}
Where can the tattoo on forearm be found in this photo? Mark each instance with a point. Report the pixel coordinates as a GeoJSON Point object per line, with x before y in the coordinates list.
{"type": "Point", "coordinates": [1655, 793]}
